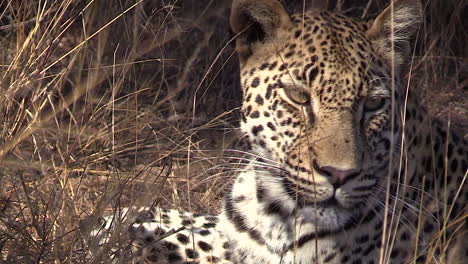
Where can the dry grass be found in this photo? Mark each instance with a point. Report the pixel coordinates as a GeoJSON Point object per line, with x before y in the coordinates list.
{"type": "Point", "coordinates": [109, 104]}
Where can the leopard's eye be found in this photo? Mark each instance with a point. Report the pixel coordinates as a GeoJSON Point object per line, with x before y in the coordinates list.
{"type": "Point", "coordinates": [298, 95]}
{"type": "Point", "coordinates": [374, 104]}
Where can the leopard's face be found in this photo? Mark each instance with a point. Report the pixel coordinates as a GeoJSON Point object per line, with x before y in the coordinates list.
{"type": "Point", "coordinates": [319, 111]}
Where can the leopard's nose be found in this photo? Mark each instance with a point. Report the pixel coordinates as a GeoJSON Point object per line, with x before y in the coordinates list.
{"type": "Point", "coordinates": [336, 176]}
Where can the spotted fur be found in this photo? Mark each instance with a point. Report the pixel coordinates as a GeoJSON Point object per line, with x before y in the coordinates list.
{"type": "Point", "coordinates": [349, 167]}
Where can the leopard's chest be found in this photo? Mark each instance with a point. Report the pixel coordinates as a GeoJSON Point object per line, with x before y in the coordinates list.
{"type": "Point", "coordinates": [353, 247]}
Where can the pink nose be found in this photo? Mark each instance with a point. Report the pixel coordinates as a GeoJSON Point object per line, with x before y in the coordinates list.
{"type": "Point", "coordinates": [337, 176]}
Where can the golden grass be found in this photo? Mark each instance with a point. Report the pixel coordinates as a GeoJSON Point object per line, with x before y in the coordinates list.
{"type": "Point", "coordinates": [98, 113]}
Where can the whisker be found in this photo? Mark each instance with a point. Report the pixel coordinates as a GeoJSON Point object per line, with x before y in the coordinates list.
{"type": "Point", "coordinates": [402, 219]}
{"type": "Point", "coordinates": [413, 208]}
{"type": "Point", "coordinates": [426, 193]}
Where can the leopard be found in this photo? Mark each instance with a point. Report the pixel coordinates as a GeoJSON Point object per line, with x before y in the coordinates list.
{"type": "Point", "coordinates": [346, 165]}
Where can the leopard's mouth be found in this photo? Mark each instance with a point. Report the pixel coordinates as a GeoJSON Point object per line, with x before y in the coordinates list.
{"type": "Point", "coordinates": [330, 213]}
{"type": "Point", "coordinates": [313, 195]}
{"type": "Point", "coordinates": [330, 202]}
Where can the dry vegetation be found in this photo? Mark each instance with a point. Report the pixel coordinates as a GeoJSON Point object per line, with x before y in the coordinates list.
{"type": "Point", "coordinates": [109, 104]}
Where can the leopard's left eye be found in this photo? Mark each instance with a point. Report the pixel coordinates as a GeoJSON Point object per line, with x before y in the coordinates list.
{"type": "Point", "coordinates": [297, 95]}
{"type": "Point", "coordinates": [374, 104]}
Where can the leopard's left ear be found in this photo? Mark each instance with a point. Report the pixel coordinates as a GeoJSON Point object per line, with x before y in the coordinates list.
{"type": "Point", "coordinates": [395, 24]}
{"type": "Point", "coordinates": [260, 26]}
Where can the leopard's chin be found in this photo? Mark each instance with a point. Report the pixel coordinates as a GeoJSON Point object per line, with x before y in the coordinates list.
{"type": "Point", "coordinates": [330, 216]}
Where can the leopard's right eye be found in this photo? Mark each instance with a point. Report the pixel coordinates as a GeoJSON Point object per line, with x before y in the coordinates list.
{"type": "Point", "coordinates": [372, 105]}
{"type": "Point", "coordinates": [298, 95]}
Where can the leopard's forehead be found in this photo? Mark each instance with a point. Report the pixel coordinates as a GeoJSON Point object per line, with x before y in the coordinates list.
{"type": "Point", "coordinates": [337, 40]}
{"type": "Point", "coordinates": [332, 51]}
{"type": "Point", "coordinates": [330, 55]}
{"type": "Point", "coordinates": [327, 29]}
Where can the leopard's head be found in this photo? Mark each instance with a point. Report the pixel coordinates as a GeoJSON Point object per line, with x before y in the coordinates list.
{"type": "Point", "coordinates": [323, 100]}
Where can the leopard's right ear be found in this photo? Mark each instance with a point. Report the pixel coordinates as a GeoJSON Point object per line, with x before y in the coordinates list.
{"type": "Point", "coordinates": [257, 23]}
{"type": "Point", "coordinates": [391, 31]}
